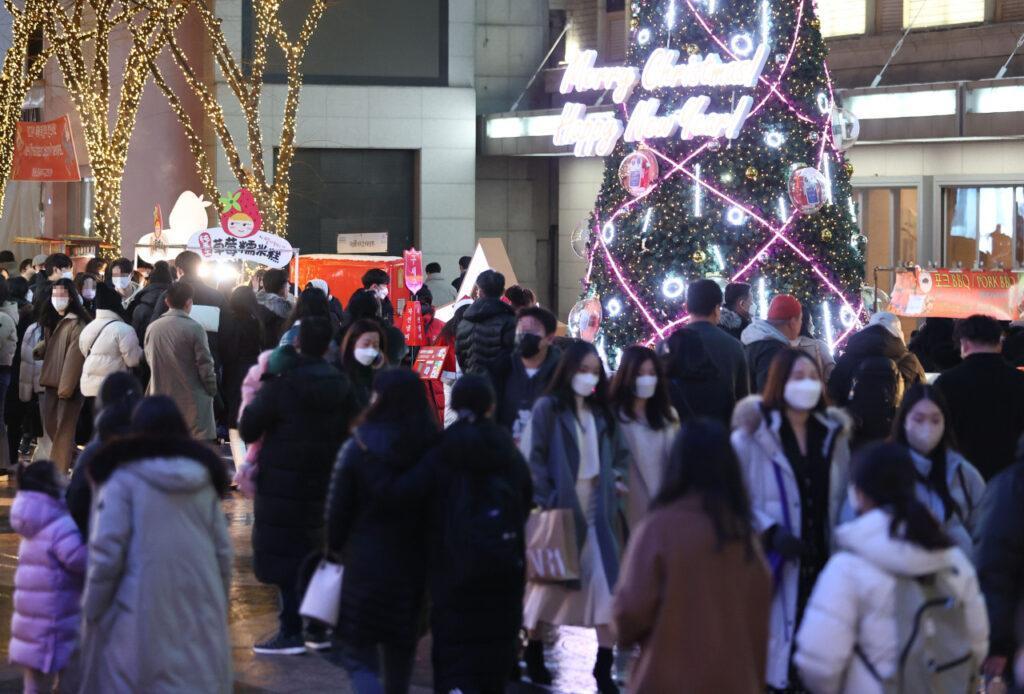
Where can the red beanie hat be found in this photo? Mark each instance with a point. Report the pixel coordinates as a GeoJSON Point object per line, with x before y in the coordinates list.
{"type": "Point", "coordinates": [784, 307]}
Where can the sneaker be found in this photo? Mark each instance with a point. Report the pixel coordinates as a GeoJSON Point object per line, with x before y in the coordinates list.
{"type": "Point", "coordinates": [318, 639]}
{"type": "Point", "coordinates": [280, 644]}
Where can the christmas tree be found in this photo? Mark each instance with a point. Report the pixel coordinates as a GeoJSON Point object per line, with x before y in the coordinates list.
{"type": "Point", "coordinates": [724, 159]}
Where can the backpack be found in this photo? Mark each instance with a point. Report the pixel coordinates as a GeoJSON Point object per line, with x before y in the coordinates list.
{"type": "Point", "coordinates": [935, 655]}
{"type": "Point", "coordinates": [875, 394]}
{"type": "Point", "coordinates": [484, 531]}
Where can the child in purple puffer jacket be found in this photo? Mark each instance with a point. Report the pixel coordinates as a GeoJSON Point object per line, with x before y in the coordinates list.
{"type": "Point", "coordinates": [49, 579]}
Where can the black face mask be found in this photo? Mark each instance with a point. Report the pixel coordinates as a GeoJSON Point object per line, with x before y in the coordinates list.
{"type": "Point", "coordinates": [528, 345]}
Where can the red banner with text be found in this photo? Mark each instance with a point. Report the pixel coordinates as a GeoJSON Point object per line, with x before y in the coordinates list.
{"type": "Point", "coordinates": [958, 294]}
{"type": "Point", "coordinates": [413, 269]}
{"type": "Point", "coordinates": [45, 152]}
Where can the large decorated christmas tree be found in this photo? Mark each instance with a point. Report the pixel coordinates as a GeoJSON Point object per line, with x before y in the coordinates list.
{"type": "Point", "coordinates": [724, 159]}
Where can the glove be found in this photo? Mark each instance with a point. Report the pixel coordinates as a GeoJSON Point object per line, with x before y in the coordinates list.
{"type": "Point", "coordinates": [783, 543]}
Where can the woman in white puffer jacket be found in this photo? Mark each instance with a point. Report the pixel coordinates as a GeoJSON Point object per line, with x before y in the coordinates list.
{"type": "Point", "coordinates": [852, 615]}
{"type": "Point", "coordinates": [108, 343]}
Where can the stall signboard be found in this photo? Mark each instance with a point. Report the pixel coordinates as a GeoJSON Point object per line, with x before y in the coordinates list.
{"type": "Point", "coordinates": [429, 362]}
{"type": "Point", "coordinates": [262, 247]}
{"type": "Point", "coordinates": [369, 242]}
{"type": "Point", "coordinates": [941, 293]}
{"type": "Point", "coordinates": [413, 269]}
{"type": "Point", "coordinates": [45, 152]}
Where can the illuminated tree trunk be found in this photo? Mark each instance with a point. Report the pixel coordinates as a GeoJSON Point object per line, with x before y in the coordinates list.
{"type": "Point", "coordinates": [106, 221]}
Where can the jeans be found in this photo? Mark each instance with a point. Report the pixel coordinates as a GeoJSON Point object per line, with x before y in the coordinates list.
{"type": "Point", "coordinates": [366, 664]}
{"type": "Point", "coordinates": [288, 615]}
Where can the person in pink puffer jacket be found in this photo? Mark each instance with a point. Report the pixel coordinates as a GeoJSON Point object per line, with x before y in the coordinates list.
{"type": "Point", "coordinates": [245, 475]}
{"type": "Point", "coordinates": [49, 580]}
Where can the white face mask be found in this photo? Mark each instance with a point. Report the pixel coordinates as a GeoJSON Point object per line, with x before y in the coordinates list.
{"type": "Point", "coordinates": [60, 303]}
{"type": "Point", "coordinates": [584, 384]}
{"type": "Point", "coordinates": [803, 394]}
{"type": "Point", "coordinates": [121, 282]}
{"type": "Point", "coordinates": [67, 275]}
{"type": "Point", "coordinates": [366, 355]}
{"type": "Point", "coordinates": [382, 293]}
{"type": "Point", "coordinates": [923, 437]}
{"type": "Point", "coordinates": [645, 386]}
{"type": "Point", "coordinates": [89, 294]}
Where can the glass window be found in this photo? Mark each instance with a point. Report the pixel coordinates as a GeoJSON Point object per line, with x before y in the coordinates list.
{"type": "Point", "coordinates": [933, 13]}
{"type": "Point", "coordinates": [907, 225]}
{"type": "Point", "coordinates": [842, 17]}
{"type": "Point", "coordinates": [984, 226]}
{"type": "Point", "coordinates": [876, 221]}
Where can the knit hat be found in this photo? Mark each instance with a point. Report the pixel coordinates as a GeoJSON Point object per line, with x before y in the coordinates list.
{"type": "Point", "coordinates": [39, 259]}
{"type": "Point", "coordinates": [321, 285]}
{"type": "Point", "coordinates": [784, 307]}
{"type": "Point", "coordinates": [889, 321]}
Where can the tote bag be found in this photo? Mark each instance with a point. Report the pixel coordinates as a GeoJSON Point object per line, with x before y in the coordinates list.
{"type": "Point", "coordinates": [551, 552]}
{"type": "Point", "coordinates": [323, 594]}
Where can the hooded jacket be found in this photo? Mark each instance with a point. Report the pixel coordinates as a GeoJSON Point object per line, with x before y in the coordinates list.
{"type": "Point", "coordinates": [303, 415]}
{"type": "Point", "coordinates": [762, 342]}
{"type": "Point", "coordinates": [155, 606]}
{"type": "Point", "coordinates": [758, 447]}
{"type": "Point", "coordinates": [853, 605]}
{"type": "Point", "coordinates": [966, 488]}
{"type": "Point", "coordinates": [47, 583]}
{"type": "Point", "coordinates": [273, 313]}
{"type": "Point", "coordinates": [872, 341]}
{"type": "Point", "coordinates": [487, 333]}
{"type": "Point", "coordinates": [381, 539]}
{"type": "Point", "coordinates": [732, 322]}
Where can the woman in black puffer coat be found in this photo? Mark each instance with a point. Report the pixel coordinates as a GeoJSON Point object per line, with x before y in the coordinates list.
{"type": "Point", "coordinates": [381, 539]}
{"type": "Point", "coordinates": [478, 495]}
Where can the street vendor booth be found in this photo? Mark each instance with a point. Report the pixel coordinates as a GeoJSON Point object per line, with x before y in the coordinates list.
{"type": "Point", "coordinates": [941, 293]}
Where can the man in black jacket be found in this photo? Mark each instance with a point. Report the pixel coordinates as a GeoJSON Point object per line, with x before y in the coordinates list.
{"type": "Point", "coordinates": [487, 331]}
{"type": "Point", "coordinates": [522, 377]}
{"type": "Point", "coordinates": [736, 311]}
{"type": "Point", "coordinates": [274, 307]}
{"type": "Point", "coordinates": [883, 337]}
{"type": "Point", "coordinates": [986, 397]}
{"type": "Point", "coordinates": [763, 339]}
{"type": "Point", "coordinates": [303, 416]}
{"type": "Point", "coordinates": [704, 302]}
{"type": "Point", "coordinates": [376, 281]}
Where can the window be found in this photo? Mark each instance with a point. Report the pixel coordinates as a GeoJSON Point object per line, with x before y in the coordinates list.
{"type": "Point", "coordinates": [888, 218]}
{"type": "Point", "coordinates": [935, 13]}
{"type": "Point", "coordinates": [984, 227]}
{"type": "Point", "coordinates": [842, 17]}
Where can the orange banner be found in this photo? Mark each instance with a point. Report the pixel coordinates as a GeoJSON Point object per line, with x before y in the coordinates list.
{"type": "Point", "coordinates": [45, 152]}
{"type": "Point", "coordinates": [958, 294]}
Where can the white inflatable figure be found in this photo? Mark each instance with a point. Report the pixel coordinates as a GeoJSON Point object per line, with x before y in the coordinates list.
{"type": "Point", "coordinates": [188, 216]}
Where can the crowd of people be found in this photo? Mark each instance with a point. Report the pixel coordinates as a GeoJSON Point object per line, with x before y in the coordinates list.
{"type": "Point", "coordinates": [749, 510]}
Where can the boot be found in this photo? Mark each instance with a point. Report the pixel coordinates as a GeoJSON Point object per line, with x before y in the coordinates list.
{"type": "Point", "coordinates": [603, 672]}
{"type": "Point", "coordinates": [536, 670]}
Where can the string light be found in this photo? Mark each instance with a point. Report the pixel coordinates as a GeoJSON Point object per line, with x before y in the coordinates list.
{"type": "Point", "coordinates": [698, 193]}
{"type": "Point", "coordinates": [643, 37]}
{"type": "Point", "coordinates": [742, 45]}
{"type": "Point", "coordinates": [735, 216]}
{"type": "Point", "coordinates": [762, 298]}
{"type": "Point", "coordinates": [647, 220]}
{"type": "Point", "coordinates": [608, 232]}
{"type": "Point", "coordinates": [613, 307]}
{"type": "Point", "coordinates": [774, 139]}
{"type": "Point", "coordinates": [830, 340]}
{"type": "Point", "coordinates": [718, 257]}
{"type": "Point", "coordinates": [673, 287]}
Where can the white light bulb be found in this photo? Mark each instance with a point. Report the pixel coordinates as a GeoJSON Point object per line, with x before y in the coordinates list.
{"type": "Point", "coordinates": [672, 287]}
{"type": "Point", "coordinates": [735, 216]}
{"type": "Point", "coordinates": [608, 232]}
{"type": "Point", "coordinates": [774, 139]}
{"type": "Point", "coordinates": [647, 219]}
{"type": "Point", "coordinates": [614, 308]}
{"type": "Point", "coordinates": [643, 37]}
{"type": "Point", "coordinates": [847, 317]}
{"type": "Point", "coordinates": [742, 45]}
{"type": "Point", "coordinates": [824, 105]}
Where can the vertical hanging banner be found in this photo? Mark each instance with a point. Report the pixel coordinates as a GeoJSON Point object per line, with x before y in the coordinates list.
{"type": "Point", "coordinates": [413, 269]}
{"type": "Point", "coordinates": [45, 152]}
{"type": "Point", "coordinates": [412, 324]}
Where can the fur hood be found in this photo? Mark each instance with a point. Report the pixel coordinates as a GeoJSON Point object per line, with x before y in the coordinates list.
{"type": "Point", "coordinates": [730, 320]}
{"type": "Point", "coordinates": [749, 416]}
{"type": "Point", "coordinates": [136, 449]}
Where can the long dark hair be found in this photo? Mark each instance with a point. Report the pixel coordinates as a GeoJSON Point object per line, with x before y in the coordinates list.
{"type": "Point", "coordinates": [401, 400]}
{"type": "Point", "coordinates": [658, 407]}
{"type": "Point", "coordinates": [936, 479]}
{"type": "Point", "coordinates": [311, 302]}
{"type": "Point", "coordinates": [885, 474]}
{"type": "Point", "coordinates": [774, 395]}
{"type": "Point", "coordinates": [703, 462]}
{"type": "Point", "coordinates": [560, 387]}
{"type": "Point", "coordinates": [49, 318]}
{"type": "Point", "coordinates": [352, 335]}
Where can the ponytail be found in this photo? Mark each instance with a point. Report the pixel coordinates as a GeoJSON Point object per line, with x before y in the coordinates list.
{"type": "Point", "coordinates": [885, 473]}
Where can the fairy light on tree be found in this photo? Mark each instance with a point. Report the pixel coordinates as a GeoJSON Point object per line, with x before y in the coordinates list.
{"type": "Point", "coordinates": [742, 155]}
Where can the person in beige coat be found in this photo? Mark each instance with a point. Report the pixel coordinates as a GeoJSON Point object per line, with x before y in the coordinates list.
{"type": "Point", "coordinates": [695, 591]}
{"type": "Point", "coordinates": [63, 320]}
{"type": "Point", "coordinates": [179, 357]}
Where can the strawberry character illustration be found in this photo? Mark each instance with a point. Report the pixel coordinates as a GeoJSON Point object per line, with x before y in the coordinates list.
{"type": "Point", "coordinates": [239, 215]}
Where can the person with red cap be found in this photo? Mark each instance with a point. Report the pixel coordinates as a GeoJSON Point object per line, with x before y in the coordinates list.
{"type": "Point", "coordinates": [763, 339]}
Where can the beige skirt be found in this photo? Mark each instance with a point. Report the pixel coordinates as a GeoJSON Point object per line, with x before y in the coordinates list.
{"type": "Point", "coordinates": [588, 606]}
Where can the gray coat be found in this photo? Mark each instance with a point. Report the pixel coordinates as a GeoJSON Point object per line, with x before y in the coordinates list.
{"type": "Point", "coordinates": [554, 458]}
{"type": "Point", "coordinates": [155, 603]}
{"type": "Point", "coordinates": [178, 354]}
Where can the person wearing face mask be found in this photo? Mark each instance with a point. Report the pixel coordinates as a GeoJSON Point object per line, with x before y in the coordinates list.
{"type": "Point", "coordinates": [795, 455]}
{"type": "Point", "coordinates": [520, 378]}
{"type": "Point", "coordinates": [640, 401]}
{"type": "Point", "coordinates": [376, 281]}
{"type": "Point", "coordinates": [119, 278]}
{"type": "Point", "coordinates": [865, 602]}
{"type": "Point", "coordinates": [947, 484]}
{"type": "Point", "coordinates": [488, 328]}
{"type": "Point", "coordinates": [577, 456]}
{"type": "Point", "coordinates": [63, 319]}
{"type": "Point", "coordinates": [984, 395]}
{"type": "Point", "coordinates": [86, 285]}
{"type": "Point", "coordinates": [57, 266]}
{"type": "Point", "coordinates": [362, 355]}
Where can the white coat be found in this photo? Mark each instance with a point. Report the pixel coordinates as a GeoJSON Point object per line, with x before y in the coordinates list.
{"type": "Point", "coordinates": [109, 345]}
{"type": "Point", "coordinates": [758, 447]}
{"type": "Point", "coordinates": [854, 604]}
